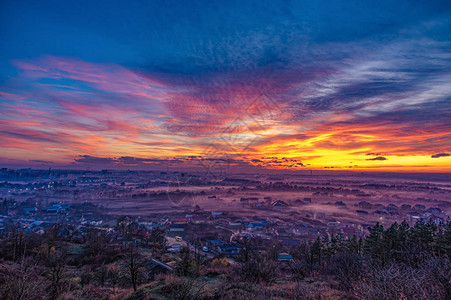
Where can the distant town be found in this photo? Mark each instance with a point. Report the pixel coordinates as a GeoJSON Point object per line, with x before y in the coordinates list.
{"type": "Point", "coordinates": [279, 208]}
{"type": "Point", "coordinates": [113, 232]}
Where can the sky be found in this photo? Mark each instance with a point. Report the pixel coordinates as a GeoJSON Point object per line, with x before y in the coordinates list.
{"type": "Point", "coordinates": [246, 85]}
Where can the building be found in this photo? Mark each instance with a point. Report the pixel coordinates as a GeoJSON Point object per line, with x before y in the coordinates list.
{"type": "Point", "coordinates": [229, 249]}
{"type": "Point", "coordinates": [214, 243]}
{"type": "Point", "coordinates": [177, 227]}
{"type": "Point", "coordinates": [284, 257]}
{"type": "Point", "coordinates": [279, 205]}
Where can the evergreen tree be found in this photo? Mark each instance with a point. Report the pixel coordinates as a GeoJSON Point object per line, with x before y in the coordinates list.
{"type": "Point", "coordinates": [372, 245]}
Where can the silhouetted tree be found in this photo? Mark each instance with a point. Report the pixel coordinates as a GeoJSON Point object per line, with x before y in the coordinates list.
{"type": "Point", "coordinates": [133, 264]}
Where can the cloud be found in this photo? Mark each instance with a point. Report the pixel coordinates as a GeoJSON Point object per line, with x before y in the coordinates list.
{"type": "Point", "coordinates": [41, 161]}
{"type": "Point", "coordinates": [440, 155]}
{"type": "Point", "coordinates": [93, 160]}
{"type": "Point", "coordinates": [378, 158]}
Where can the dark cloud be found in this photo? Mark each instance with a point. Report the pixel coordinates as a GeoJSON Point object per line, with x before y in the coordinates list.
{"type": "Point", "coordinates": [438, 155]}
{"type": "Point", "coordinates": [130, 160]}
{"type": "Point", "coordinates": [125, 160]}
{"type": "Point", "coordinates": [41, 161]}
{"type": "Point", "coordinates": [378, 158]}
{"type": "Point", "coordinates": [88, 159]}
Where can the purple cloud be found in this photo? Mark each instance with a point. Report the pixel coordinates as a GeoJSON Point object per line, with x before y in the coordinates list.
{"type": "Point", "coordinates": [438, 155]}
{"type": "Point", "coordinates": [378, 158]}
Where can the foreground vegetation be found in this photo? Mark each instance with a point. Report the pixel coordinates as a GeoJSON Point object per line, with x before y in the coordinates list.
{"type": "Point", "coordinates": [399, 262]}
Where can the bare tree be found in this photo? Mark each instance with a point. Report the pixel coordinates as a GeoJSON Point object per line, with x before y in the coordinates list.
{"type": "Point", "coordinates": [57, 273]}
{"type": "Point", "coordinates": [21, 281]}
{"type": "Point", "coordinates": [133, 264]}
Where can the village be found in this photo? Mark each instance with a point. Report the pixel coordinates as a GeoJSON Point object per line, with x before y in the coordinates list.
{"type": "Point", "coordinates": [271, 229]}
{"type": "Point", "coordinates": [214, 232]}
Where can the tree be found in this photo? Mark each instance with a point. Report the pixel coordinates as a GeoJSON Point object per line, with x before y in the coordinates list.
{"type": "Point", "coordinates": [133, 264]}
{"type": "Point", "coordinates": [442, 243]}
{"type": "Point", "coordinates": [157, 240]}
{"type": "Point", "coordinates": [254, 267]}
{"type": "Point", "coordinates": [346, 267]}
{"type": "Point", "coordinates": [199, 258]}
{"type": "Point", "coordinates": [274, 250]}
{"type": "Point", "coordinates": [186, 266]}
{"type": "Point", "coordinates": [315, 253]}
{"type": "Point", "coordinates": [101, 274]}
{"type": "Point", "coordinates": [21, 280]}
{"type": "Point", "coordinates": [372, 245]}
{"type": "Point", "coordinates": [57, 274]}
{"type": "Point", "coordinates": [113, 274]}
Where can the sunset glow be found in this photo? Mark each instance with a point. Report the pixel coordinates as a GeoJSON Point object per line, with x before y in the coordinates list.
{"type": "Point", "coordinates": [165, 90]}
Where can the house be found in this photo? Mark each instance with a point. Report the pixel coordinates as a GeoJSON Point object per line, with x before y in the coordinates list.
{"type": "Point", "coordinates": [255, 226]}
{"type": "Point", "coordinates": [174, 248]}
{"type": "Point", "coordinates": [154, 267]}
{"type": "Point", "coordinates": [177, 227]}
{"type": "Point", "coordinates": [281, 232]}
{"type": "Point", "coordinates": [234, 223]}
{"type": "Point", "coordinates": [29, 211]}
{"type": "Point", "coordinates": [229, 248]}
{"type": "Point", "coordinates": [198, 219]}
{"type": "Point", "coordinates": [305, 232]}
{"type": "Point", "coordinates": [53, 209]}
{"type": "Point", "coordinates": [279, 204]}
{"type": "Point", "coordinates": [182, 220]}
{"type": "Point", "coordinates": [262, 221]}
{"type": "Point", "coordinates": [263, 236]}
{"type": "Point", "coordinates": [214, 243]}
{"type": "Point", "coordinates": [436, 220]}
{"type": "Point", "coordinates": [35, 224]}
{"type": "Point", "coordinates": [333, 224]}
{"type": "Point", "coordinates": [96, 222]}
{"type": "Point", "coordinates": [413, 216]}
{"type": "Point", "coordinates": [284, 257]}
{"type": "Point", "coordinates": [426, 215]}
